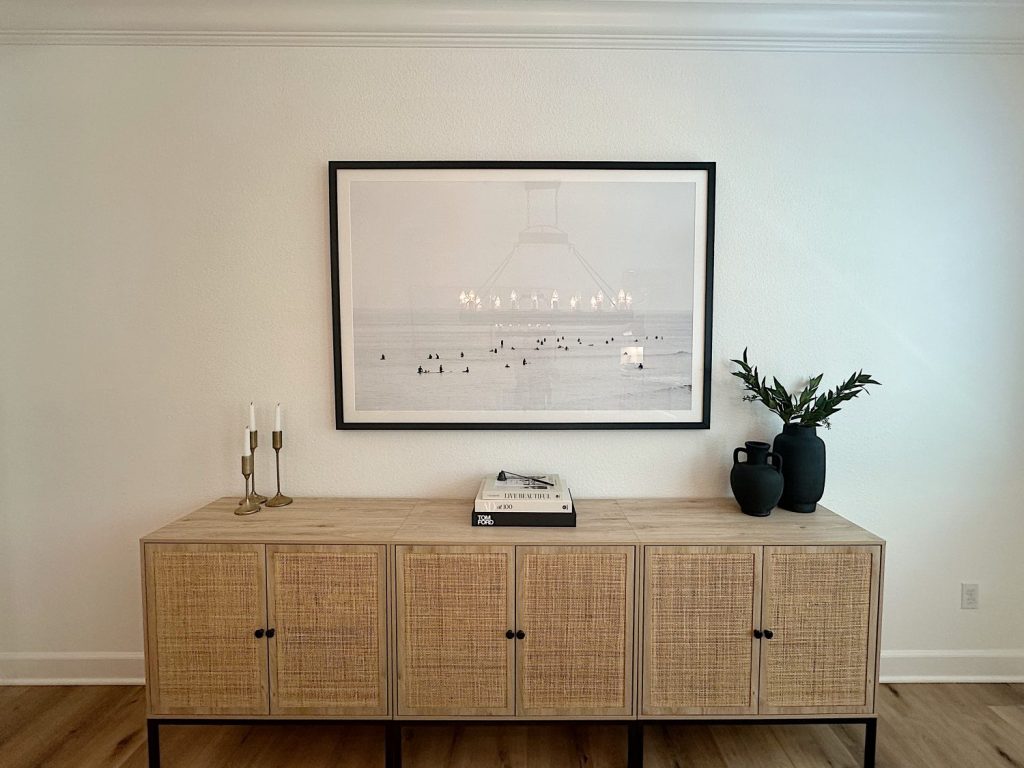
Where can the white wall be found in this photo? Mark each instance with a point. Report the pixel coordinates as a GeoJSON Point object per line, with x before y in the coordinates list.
{"type": "Point", "coordinates": [164, 259]}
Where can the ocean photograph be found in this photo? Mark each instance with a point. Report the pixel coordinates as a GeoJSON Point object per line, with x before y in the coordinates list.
{"type": "Point", "coordinates": [435, 361]}
{"type": "Point", "coordinates": [475, 294]}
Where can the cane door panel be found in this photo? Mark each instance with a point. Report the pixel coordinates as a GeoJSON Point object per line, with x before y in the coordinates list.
{"type": "Point", "coordinates": [205, 603]}
{"type": "Point", "coordinates": [328, 655]}
{"type": "Point", "coordinates": [701, 605]}
{"type": "Point", "coordinates": [454, 608]}
{"type": "Point", "coordinates": [575, 608]}
{"type": "Point", "coordinates": [821, 606]}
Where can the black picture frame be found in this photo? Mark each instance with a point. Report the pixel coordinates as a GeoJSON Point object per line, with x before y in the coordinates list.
{"type": "Point", "coordinates": [365, 237]}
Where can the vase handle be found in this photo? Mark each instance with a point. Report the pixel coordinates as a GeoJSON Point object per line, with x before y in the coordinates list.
{"type": "Point", "coordinates": [736, 454]}
{"type": "Point", "coordinates": [775, 460]}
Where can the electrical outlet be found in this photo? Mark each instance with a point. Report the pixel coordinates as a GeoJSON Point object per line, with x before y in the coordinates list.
{"type": "Point", "coordinates": [969, 596]}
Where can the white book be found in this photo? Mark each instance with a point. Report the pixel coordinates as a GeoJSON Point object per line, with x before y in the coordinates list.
{"type": "Point", "coordinates": [563, 504]}
{"type": "Point", "coordinates": [519, 489]}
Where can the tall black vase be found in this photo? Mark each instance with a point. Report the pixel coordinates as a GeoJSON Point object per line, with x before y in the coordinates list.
{"type": "Point", "coordinates": [757, 482]}
{"type": "Point", "coordinates": [803, 467]}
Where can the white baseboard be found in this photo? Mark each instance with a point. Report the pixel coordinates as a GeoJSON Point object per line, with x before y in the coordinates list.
{"type": "Point", "coordinates": [97, 668]}
{"type": "Point", "coordinates": [113, 668]}
{"type": "Point", "coordinates": [985, 666]}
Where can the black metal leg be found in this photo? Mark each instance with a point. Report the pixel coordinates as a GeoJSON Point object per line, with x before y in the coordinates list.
{"type": "Point", "coordinates": [153, 742]}
{"type": "Point", "coordinates": [392, 745]}
{"type": "Point", "coordinates": [393, 734]}
{"type": "Point", "coordinates": [870, 737]}
{"type": "Point", "coordinates": [635, 746]}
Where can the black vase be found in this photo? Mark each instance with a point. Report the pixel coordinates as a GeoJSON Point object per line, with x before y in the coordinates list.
{"type": "Point", "coordinates": [756, 483]}
{"type": "Point", "coordinates": [803, 467]}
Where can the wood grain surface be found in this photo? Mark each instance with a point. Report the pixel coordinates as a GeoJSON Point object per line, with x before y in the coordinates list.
{"type": "Point", "coordinates": [432, 521]}
{"type": "Point", "coordinates": [920, 726]}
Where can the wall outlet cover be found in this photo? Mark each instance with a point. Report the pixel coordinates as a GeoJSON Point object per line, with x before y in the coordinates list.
{"type": "Point", "coordinates": [969, 596]}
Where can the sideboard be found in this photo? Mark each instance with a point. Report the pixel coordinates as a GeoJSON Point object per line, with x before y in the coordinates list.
{"type": "Point", "coordinates": [397, 610]}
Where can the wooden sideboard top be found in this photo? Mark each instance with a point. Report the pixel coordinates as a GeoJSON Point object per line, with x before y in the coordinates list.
{"type": "Point", "coordinates": [433, 521]}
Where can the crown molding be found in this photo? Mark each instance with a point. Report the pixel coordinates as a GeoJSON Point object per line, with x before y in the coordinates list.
{"type": "Point", "coordinates": [912, 26]}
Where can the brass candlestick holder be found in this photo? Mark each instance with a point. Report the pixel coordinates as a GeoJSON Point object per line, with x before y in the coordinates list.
{"type": "Point", "coordinates": [248, 504]}
{"type": "Point", "coordinates": [259, 498]}
{"type": "Point", "coordinates": [279, 500]}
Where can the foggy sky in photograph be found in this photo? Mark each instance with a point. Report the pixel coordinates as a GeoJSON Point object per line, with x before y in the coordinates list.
{"type": "Point", "coordinates": [417, 244]}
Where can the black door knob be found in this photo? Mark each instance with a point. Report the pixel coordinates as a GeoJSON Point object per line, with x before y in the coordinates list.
{"type": "Point", "coordinates": [258, 633]}
{"type": "Point", "coordinates": [510, 634]}
{"type": "Point", "coordinates": [270, 632]}
{"type": "Point", "coordinates": [768, 634]}
{"type": "Point", "coordinates": [757, 633]}
{"type": "Point", "coordinates": [520, 634]}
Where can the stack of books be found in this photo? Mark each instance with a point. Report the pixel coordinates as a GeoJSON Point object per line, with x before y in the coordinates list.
{"type": "Point", "coordinates": [526, 499]}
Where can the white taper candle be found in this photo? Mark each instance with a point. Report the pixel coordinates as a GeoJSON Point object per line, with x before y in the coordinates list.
{"type": "Point", "coordinates": [252, 417]}
{"type": "Point", "coordinates": [277, 419]}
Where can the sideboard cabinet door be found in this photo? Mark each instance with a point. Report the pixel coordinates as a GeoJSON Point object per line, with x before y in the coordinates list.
{"type": "Point", "coordinates": [454, 608]}
{"type": "Point", "coordinates": [821, 606]}
{"type": "Point", "coordinates": [204, 604]}
{"type": "Point", "coordinates": [701, 606]}
{"type": "Point", "coordinates": [575, 609]}
{"type": "Point", "coordinates": [328, 652]}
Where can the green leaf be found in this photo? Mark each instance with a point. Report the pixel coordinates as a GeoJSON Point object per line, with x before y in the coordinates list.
{"type": "Point", "coordinates": [806, 406]}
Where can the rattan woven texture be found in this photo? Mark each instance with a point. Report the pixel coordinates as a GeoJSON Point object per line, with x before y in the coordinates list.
{"type": "Point", "coordinates": [818, 606]}
{"type": "Point", "coordinates": [573, 610]}
{"type": "Point", "coordinates": [699, 613]}
{"type": "Point", "coordinates": [208, 604]}
{"type": "Point", "coordinates": [326, 608]}
{"type": "Point", "coordinates": [455, 655]}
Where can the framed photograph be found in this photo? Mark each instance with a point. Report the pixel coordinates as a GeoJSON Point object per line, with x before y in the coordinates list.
{"type": "Point", "coordinates": [533, 295]}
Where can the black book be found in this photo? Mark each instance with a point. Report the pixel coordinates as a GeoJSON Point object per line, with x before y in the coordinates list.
{"type": "Point", "coordinates": [538, 519]}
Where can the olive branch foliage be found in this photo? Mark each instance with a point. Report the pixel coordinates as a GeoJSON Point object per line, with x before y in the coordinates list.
{"type": "Point", "coordinates": [807, 408]}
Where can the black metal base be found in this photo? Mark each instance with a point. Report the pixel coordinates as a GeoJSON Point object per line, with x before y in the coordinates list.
{"type": "Point", "coordinates": [635, 738]}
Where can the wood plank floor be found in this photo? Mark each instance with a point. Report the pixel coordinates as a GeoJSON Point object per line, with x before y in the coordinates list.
{"type": "Point", "coordinates": [926, 726]}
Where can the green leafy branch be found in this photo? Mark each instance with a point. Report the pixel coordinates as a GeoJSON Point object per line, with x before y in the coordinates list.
{"type": "Point", "coordinates": [807, 408]}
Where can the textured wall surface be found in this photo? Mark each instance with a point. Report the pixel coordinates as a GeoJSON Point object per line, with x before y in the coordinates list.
{"type": "Point", "coordinates": [164, 259]}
